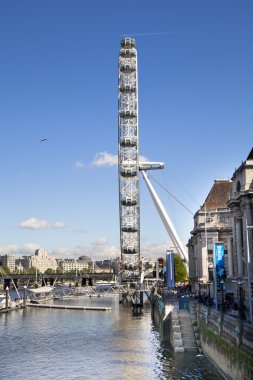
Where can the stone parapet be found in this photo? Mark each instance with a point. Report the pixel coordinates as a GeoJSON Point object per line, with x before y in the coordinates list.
{"type": "Point", "coordinates": [228, 342]}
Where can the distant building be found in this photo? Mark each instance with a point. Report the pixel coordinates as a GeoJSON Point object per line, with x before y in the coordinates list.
{"type": "Point", "coordinates": [68, 265]}
{"type": "Point", "coordinates": [88, 259]}
{"type": "Point", "coordinates": [103, 266]}
{"type": "Point", "coordinates": [212, 223]}
{"type": "Point", "coordinates": [40, 260]}
{"type": "Point", "coordinates": [23, 263]}
{"type": "Point", "coordinates": [8, 261]}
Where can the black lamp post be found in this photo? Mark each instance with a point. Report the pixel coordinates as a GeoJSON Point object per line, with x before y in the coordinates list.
{"type": "Point", "coordinates": [242, 315]}
{"type": "Point", "coordinates": [209, 294]}
{"type": "Point", "coordinates": [200, 298]}
{"type": "Point", "coordinates": [222, 295]}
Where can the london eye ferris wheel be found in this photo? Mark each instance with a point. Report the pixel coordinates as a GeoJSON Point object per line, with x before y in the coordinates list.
{"type": "Point", "coordinates": [128, 159]}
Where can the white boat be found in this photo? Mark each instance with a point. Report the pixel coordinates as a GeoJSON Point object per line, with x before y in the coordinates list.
{"type": "Point", "coordinates": [3, 301]}
{"type": "Point", "coordinates": [38, 295]}
{"type": "Point", "coordinates": [105, 283]}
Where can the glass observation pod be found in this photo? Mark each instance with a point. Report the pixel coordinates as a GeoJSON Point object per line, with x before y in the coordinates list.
{"type": "Point", "coordinates": [130, 267]}
{"type": "Point", "coordinates": [128, 114]}
{"type": "Point", "coordinates": [128, 169]}
{"type": "Point", "coordinates": [128, 141]}
{"type": "Point", "coordinates": [127, 42]}
{"type": "Point", "coordinates": [128, 53]}
{"type": "Point", "coordinates": [131, 274]}
{"type": "Point", "coordinates": [128, 172]}
{"type": "Point", "coordinates": [127, 88]}
{"type": "Point", "coordinates": [126, 67]}
{"type": "Point", "coordinates": [129, 227]}
{"type": "Point", "coordinates": [130, 249]}
{"type": "Point", "coordinates": [129, 201]}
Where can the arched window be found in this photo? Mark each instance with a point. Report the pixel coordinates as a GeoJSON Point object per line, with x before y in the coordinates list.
{"type": "Point", "coordinates": [238, 186]}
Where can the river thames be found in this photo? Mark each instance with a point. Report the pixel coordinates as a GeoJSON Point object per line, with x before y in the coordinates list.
{"type": "Point", "coordinates": [83, 345]}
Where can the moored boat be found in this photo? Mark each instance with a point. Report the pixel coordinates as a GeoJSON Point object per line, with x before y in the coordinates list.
{"type": "Point", "coordinates": [38, 295]}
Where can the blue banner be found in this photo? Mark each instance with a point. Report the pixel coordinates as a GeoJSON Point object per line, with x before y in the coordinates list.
{"type": "Point", "coordinates": [170, 270]}
{"type": "Point", "coordinates": [219, 263]}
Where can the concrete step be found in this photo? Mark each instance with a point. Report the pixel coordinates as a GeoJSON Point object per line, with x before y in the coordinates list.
{"type": "Point", "coordinates": [187, 330]}
{"type": "Point", "coordinates": [179, 349]}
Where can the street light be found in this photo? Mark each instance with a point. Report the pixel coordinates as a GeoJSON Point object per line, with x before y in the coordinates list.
{"type": "Point", "coordinates": [250, 284]}
{"type": "Point", "coordinates": [222, 294]}
{"type": "Point", "coordinates": [200, 297]}
{"type": "Point", "coordinates": [241, 307]}
{"type": "Point", "coordinates": [209, 294]}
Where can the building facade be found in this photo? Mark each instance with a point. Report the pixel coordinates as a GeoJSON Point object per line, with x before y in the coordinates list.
{"type": "Point", "coordinates": [226, 217]}
{"type": "Point", "coordinates": [69, 265]}
{"type": "Point", "coordinates": [41, 261]}
{"type": "Point", "coordinates": [241, 206]}
{"type": "Point", "coordinates": [8, 261]}
{"type": "Point", "coordinates": [212, 224]}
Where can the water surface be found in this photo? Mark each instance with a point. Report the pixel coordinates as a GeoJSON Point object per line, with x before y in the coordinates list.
{"type": "Point", "coordinates": [84, 345]}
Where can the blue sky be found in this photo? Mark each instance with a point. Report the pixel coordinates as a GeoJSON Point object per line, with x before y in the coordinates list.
{"type": "Point", "coordinates": [58, 80]}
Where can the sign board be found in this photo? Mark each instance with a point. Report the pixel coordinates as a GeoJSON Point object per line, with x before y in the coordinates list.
{"type": "Point", "coordinates": [219, 264]}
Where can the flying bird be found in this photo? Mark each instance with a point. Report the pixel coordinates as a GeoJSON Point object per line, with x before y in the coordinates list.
{"type": "Point", "coordinates": [42, 140]}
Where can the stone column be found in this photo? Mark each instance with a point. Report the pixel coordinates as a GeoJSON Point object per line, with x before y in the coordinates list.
{"type": "Point", "coordinates": [230, 259]}
{"type": "Point", "coordinates": [204, 263]}
{"type": "Point", "coordinates": [238, 231]}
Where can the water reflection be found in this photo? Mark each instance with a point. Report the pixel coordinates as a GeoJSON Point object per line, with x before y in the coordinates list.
{"type": "Point", "coordinates": [72, 345]}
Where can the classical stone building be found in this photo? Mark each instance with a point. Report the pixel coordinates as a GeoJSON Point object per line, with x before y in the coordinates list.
{"type": "Point", "coordinates": [241, 206]}
{"type": "Point", "coordinates": [40, 260]}
{"type": "Point", "coordinates": [68, 265]}
{"type": "Point", "coordinates": [212, 223]}
{"type": "Point", "coordinates": [226, 217]}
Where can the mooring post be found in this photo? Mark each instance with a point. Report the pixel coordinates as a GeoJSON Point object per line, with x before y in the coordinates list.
{"type": "Point", "coordinates": [24, 300]}
{"type": "Point", "coordinates": [7, 297]}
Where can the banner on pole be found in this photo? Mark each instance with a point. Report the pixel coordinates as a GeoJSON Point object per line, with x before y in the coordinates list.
{"type": "Point", "coordinates": [219, 263]}
{"type": "Point", "coordinates": [170, 270]}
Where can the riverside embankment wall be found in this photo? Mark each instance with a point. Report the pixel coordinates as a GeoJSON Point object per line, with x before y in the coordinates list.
{"type": "Point", "coordinates": [228, 342]}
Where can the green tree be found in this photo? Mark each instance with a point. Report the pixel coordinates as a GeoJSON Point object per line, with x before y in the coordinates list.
{"type": "Point", "coordinates": [50, 271]}
{"type": "Point", "coordinates": [180, 269]}
{"type": "Point", "coordinates": [32, 270]}
{"type": "Point", "coordinates": [5, 270]}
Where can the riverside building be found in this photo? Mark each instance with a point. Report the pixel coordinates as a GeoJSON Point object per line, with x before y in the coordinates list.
{"type": "Point", "coordinates": [226, 217]}
{"type": "Point", "coordinates": [68, 265]}
{"type": "Point", "coordinates": [8, 261]}
{"type": "Point", "coordinates": [41, 260]}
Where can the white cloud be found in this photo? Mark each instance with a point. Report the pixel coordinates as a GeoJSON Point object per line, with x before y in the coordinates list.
{"type": "Point", "coordinates": [100, 249]}
{"type": "Point", "coordinates": [8, 249]}
{"type": "Point", "coordinates": [80, 165]}
{"type": "Point", "coordinates": [58, 225]}
{"type": "Point", "coordinates": [153, 250]}
{"type": "Point", "coordinates": [34, 224]}
{"type": "Point", "coordinates": [40, 224]}
{"type": "Point", "coordinates": [25, 250]}
{"type": "Point", "coordinates": [105, 159]}
{"type": "Point", "coordinates": [143, 159]}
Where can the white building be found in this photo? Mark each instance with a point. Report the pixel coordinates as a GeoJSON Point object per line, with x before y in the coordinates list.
{"type": "Point", "coordinates": [42, 261]}
{"type": "Point", "coordinates": [68, 265]}
{"type": "Point", "coordinates": [8, 261]}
